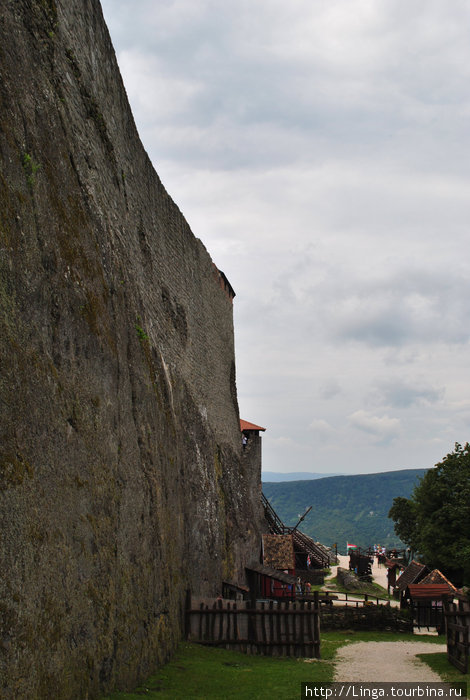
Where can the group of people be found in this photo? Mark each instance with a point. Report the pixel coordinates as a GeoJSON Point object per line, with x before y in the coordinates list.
{"type": "Point", "coordinates": [303, 587]}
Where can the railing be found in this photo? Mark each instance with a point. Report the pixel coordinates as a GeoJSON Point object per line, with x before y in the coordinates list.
{"type": "Point", "coordinates": [275, 522]}
{"type": "Point", "coordinates": [310, 547]}
{"type": "Point", "coordinates": [278, 528]}
{"type": "Point", "coordinates": [272, 628]}
{"type": "Point", "coordinates": [357, 600]}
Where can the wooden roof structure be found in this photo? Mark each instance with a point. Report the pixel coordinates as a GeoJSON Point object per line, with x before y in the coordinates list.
{"type": "Point", "coordinates": [437, 577]}
{"type": "Point", "coordinates": [413, 573]}
{"type": "Point", "coordinates": [393, 563]}
{"type": "Point", "coordinates": [278, 552]}
{"type": "Point", "coordinates": [428, 591]}
{"type": "Point", "coordinates": [272, 573]}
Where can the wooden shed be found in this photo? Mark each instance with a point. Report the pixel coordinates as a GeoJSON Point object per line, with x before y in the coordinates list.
{"type": "Point", "coordinates": [278, 556]}
{"type": "Point", "coordinates": [414, 572]}
{"type": "Point", "coordinates": [426, 603]}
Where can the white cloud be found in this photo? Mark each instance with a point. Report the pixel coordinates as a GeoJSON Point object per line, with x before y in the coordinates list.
{"type": "Point", "coordinates": [320, 151]}
{"type": "Point", "coordinates": [402, 393]}
{"type": "Point", "coordinates": [321, 427]}
{"type": "Point", "coordinates": [382, 427]}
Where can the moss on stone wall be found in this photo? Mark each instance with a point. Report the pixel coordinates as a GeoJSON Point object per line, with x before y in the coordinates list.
{"type": "Point", "coordinates": [120, 461]}
{"type": "Point", "coordinates": [14, 468]}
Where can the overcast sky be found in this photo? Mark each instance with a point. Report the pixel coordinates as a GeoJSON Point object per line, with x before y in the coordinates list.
{"type": "Point", "coordinates": [320, 149]}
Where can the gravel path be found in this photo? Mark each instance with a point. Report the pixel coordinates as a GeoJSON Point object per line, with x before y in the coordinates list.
{"type": "Point", "coordinates": [369, 662]}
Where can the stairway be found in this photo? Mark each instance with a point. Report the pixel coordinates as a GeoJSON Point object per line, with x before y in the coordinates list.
{"type": "Point", "coordinates": [301, 541]}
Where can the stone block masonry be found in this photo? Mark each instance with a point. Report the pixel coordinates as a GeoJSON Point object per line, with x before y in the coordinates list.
{"type": "Point", "coordinates": [122, 481]}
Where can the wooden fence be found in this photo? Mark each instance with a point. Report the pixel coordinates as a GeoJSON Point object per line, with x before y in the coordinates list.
{"type": "Point", "coordinates": [353, 599]}
{"type": "Point", "coordinates": [271, 628]}
{"type": "Point", "coordinates": [457, 616]}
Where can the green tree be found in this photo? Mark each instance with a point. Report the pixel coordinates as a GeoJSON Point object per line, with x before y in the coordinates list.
{"type": "Point", "coordinates": [435, 520]}
{"type": "Point", "coordinates": [403, 513]}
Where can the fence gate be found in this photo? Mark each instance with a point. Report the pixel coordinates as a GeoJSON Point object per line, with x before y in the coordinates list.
{"type": "Point", "coordinates": [428, 615]}
{"type": "Point", "coordinates": [458, 631]}
{"type": "Point", "coordinates": [272, 628]}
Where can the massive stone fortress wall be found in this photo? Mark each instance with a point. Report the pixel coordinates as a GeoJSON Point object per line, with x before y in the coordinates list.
{"type": "Point", "coordinates": [122, 482]}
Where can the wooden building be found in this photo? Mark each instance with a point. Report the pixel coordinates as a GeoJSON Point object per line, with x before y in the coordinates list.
{"type": "Point", "coordinates": [426, 600]}
{"type": "Point", "coordinates": [414, 573]}
{"type": "Point", "coordinates": [266, 583]}
{"type": "Point", "coordinates": [278, 556]}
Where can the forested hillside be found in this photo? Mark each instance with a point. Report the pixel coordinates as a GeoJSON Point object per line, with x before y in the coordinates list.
{"type": "Point", "coordinates": [350, 509]}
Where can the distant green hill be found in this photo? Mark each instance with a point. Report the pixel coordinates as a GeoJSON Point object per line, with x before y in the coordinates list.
{"type": "Point", "coordinates": [345, 509]}
{"type": "Point", "coordinates": [294, 476]}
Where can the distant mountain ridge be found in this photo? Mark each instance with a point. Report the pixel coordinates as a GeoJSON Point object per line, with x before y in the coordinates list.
{"type": "Point", "coordinates": [294, 476]}
{"type": "Point", "coordinates": [350, 509]}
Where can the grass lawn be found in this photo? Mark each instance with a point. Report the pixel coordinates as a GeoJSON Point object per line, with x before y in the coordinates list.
{"type": "Point", "coordinates": [438, 662]}
{"type": "Point", "coordinates": [205, 672]}
{"type": "Point", "coordinates": [373, 590]}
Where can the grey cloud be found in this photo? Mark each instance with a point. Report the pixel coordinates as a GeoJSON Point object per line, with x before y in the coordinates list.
{"type": "Point", "coordinates": [383, 428]}
{"type": "Point", "coordinates": [398, 393]}
{"type": "Point", "coordinates": [408, 307]}
{"type": "Point", "coordinates": [267, 70]}
{"type": "Point", "coordinates": [330, 389]}
{"type": "Point", "coordinates": [320, 152]}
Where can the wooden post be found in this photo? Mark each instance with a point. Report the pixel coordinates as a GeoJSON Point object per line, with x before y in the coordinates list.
{"type": "Point", "coordinates": [302, 632]}
{"type": "Point", "coordinates": [263, 625]}
{"type": "Point", "coordinates": [235, 623]}
{"type": "Point", "coordinates": [221, 620]}
{"type": "Point", "coordinates": [271, 621]}
{"type": "Point", "coordinates": [317, 626]}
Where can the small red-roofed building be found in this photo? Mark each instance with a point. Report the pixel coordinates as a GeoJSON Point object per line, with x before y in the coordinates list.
{"type": "Point", "coordinates": [278, 557]}
{"type": "Point", "coordinates": [426, 599]}
{"type": "Point", "coordinates": [250, 441]}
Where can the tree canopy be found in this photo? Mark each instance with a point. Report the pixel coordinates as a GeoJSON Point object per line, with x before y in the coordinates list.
{"type": "Point", "coordinates": [435, 520]}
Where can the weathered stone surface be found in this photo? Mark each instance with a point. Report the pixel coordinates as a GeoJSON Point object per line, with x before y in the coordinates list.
{"type": "Point", "coordinates": [122, 481]}
{"type": "Point", "coordinates": [369, 617]}
{"type": "Point", "coordinates": [350, 580]}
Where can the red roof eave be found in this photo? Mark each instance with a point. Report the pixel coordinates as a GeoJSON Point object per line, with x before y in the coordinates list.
{"type": "Point", "coordinates": [428, 590]}
{"type": "Point", "coordinates": [246, 425]}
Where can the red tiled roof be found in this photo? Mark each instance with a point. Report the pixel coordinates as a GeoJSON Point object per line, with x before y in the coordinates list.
{"type": "Point", "coordinates": [429, 590]}
{"type": "Point", "coordinates": [245, 425]}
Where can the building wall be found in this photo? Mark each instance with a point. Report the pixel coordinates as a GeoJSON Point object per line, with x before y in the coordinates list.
{"type": "Point", "coordinates": [122, 481]}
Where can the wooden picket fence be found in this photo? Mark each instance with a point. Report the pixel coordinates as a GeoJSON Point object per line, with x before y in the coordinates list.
{"type": "Point", "coordinates": [271, 628]}
{"type": "Point", "coordinates": [457, 616]}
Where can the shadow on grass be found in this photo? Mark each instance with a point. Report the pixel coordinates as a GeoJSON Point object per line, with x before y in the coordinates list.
{"type": "Point", "coordinates": [439, 663]}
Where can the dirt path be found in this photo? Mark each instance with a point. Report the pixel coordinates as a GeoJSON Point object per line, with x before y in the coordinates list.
{"type": "Point", "coordinates": [379, 573]}
{"type": "Point", "coordinates": [369, 662]}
